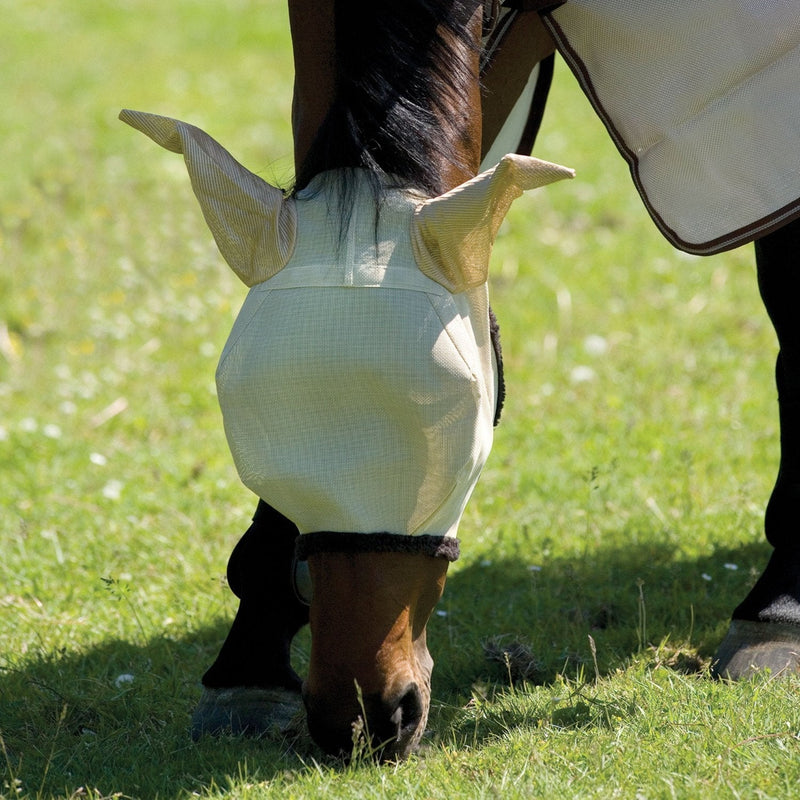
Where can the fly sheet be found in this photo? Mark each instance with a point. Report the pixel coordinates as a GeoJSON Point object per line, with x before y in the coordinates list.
{"type": "Point", "coordinates": [703, 101]}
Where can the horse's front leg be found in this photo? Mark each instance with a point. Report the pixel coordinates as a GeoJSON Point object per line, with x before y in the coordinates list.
{"type": "Point", "coordinates": [251, 688]}
{"type": "Point", "coordinates": [765, 630]}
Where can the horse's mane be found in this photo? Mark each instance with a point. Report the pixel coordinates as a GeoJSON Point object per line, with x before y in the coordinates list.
{"type": "Point", "coordinates": [401, 86]}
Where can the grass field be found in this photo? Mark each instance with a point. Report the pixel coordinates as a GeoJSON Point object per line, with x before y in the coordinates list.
{"type": "Point", "coordinates": [622, 502]}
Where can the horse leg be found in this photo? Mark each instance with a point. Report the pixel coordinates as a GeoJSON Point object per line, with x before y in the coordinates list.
{"type": "Point", "coordinates": [765, 629]}
{"type": "Point", "coordinates": [251, 687]}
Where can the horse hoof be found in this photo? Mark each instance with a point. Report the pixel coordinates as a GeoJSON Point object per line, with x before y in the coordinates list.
{"type": "Point", "coordinates": [247, 711]}
{"type": "Point", "coordinates": [750, 647]}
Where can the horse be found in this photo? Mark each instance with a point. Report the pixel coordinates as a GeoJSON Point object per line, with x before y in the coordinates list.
{"type": "Point", "coordinates": [368, 609]}
{"type": "Point", "coordinates": [362, 378]}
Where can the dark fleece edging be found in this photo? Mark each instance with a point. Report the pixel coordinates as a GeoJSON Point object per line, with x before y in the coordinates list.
{"type": "Point", "coordinates": [308, 544]}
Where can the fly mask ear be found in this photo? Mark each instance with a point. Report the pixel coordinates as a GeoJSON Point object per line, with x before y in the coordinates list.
{"type": "Point", "coordinates": [453, 234]}
{"type": "Point", "coordinates": [253, 224]}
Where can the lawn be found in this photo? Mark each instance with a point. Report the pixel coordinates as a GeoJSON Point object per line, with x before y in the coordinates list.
{"type": "Point", "coordinates": [617, 524]}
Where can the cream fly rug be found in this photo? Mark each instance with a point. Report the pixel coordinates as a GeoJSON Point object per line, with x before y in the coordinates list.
{"type": "Point", "coordinates": [702, 98]}
{"type": "Point", "coordinates": [358, 385]}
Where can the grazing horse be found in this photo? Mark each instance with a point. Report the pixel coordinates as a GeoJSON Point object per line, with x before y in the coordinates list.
{"type": "Point", "coordinates": [370, 599]}
{"type": "Point", "coordinates": [361, 381]}
{"type": "Point", "coordinates": [728, 183]}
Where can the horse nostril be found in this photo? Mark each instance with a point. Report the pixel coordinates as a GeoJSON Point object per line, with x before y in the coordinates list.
{"type": "Point", "coordinates": [392, 728]}
{"type": "Point", "coordinates": [408, 714]}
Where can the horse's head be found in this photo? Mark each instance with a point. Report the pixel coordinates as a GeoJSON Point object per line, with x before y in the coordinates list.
{"type": "Point", "coordinates": [370, 668]}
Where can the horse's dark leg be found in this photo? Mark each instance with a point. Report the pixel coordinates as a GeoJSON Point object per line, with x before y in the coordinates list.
{"type": "Point", "coordinates": [765, 631]}
{"type": "Point", "coordinates": [251, 687]}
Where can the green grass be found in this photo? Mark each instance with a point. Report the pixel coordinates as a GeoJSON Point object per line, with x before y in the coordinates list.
{"type": "Point", "coordinates": [612, 507]}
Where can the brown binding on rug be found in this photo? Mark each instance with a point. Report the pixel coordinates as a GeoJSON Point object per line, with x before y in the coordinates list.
{"type": "Point", "coordinates": [308, 544]}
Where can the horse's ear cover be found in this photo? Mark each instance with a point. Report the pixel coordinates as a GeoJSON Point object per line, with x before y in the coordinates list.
{"type": "Point", "coordinates": [253, 224]}
{"type": "Point", "coordinates": [453, 234]}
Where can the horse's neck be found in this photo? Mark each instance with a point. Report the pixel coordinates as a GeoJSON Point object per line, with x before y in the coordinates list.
{"type": "Point", "coordinates": [456, 156]}
{"type": "Point", "coordinates": [314, 49]}
{"type": "Point", "coordinates": [464, 126]}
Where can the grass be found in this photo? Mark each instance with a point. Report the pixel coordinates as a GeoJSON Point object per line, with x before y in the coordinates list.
{"type": "Point", "coordinates": [623, 499]}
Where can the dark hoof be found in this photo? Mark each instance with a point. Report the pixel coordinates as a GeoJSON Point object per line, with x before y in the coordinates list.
{"type": "Point", "coordinates": [248, 711]}
{"type": "Point", "coordinates": [750, 647]}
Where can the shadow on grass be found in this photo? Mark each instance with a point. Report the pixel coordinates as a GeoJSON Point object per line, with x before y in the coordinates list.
{"type": "Point", "coordinates": [630, 601]}
{"type": "Point", "coordinates": [624, 598]}
{"type": "Point", "coordinates": [115, 719]}
{"type": "Point", "coordinates": [72, 720]}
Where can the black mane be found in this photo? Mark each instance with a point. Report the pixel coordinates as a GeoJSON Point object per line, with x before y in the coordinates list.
{"type": "Point", "coordinates": [401, 85]}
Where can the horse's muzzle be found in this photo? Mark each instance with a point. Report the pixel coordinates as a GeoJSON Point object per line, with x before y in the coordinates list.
{"type": "Point", "coordinates": [368, 686]}
{"type": "Point", "coordinates": [384, 729]}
